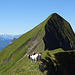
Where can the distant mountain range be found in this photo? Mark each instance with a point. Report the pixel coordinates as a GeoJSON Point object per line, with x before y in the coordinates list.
{"type": "Point", "coordinates": [9, 36]}
{"type": "Point", "coordinates": [5, 39]}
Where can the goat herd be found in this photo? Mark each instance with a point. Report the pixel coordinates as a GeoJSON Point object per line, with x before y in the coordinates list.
{"type": "Point", "coordinates": [35, 57]}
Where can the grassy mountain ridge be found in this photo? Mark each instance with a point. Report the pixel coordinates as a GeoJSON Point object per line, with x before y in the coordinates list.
{"type": "Point", "coordinates": [60, 33]}
{"type": "Point", "coordinates": [51, 34]}
{"type": "Point", "coordinates": [15, 51]}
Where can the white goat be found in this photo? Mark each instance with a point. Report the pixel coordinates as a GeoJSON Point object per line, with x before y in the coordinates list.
{"type": "Point", "coordinates": [39, 56]}
{"type": "Point", "coordinates": [35, 57]}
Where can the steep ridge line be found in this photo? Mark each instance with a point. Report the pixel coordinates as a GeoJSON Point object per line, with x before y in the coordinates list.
{"type": "Point", "coordinates": [34, 43]}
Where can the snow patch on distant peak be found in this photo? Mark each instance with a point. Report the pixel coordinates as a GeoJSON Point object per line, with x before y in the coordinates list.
{"type": "Point", "coordinates": [2, 34]}
{"type": "Point", "coordinates": [10, 36]}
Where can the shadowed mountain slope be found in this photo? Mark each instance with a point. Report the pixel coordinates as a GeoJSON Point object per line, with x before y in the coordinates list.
{"type": "Point", "coordinates": [58, 34]}
{"type": "Point", "coordinates": [54, 32]}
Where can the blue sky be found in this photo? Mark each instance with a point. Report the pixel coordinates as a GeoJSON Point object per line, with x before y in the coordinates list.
{"type": "Point", "coordinates": [20, 16]}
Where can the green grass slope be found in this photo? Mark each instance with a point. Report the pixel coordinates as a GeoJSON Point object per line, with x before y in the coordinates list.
{"type": "Point", "coordinates": [52, 33]}
{"type": "Point", "coordinates": [28, 42]}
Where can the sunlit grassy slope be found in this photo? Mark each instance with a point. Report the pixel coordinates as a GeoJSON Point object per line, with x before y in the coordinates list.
{"type": "Point", "coordinates": [52, 33]}
{"type": "Point", "coordinates": [11, 54]}
{"type": "Point", "coordinates": [25, 67]}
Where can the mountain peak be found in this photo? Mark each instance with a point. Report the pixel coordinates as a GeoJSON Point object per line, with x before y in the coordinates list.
{"type": "Point", "coordinates": [54, 14]}
{"type": "Point", "coordinates": [58, 33]}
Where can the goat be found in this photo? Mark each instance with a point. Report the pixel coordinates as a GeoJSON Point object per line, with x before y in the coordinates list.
{"type": "Point", "coordinates": [35, 57]}
{"type": "Point", "coordinates": [39, 56]}
{"type": "Point", "coordinates": [34, 53]}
